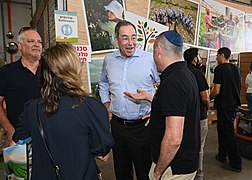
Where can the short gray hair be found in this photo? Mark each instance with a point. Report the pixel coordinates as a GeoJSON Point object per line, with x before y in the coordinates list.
{"type": "Point", "coordinates": [20, 36]}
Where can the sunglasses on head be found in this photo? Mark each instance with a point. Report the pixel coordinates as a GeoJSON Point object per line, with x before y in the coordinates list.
{"type": "Point", "coordinates": [23, 29]}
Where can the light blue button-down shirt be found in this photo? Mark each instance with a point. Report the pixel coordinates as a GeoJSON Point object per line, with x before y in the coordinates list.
{"type": "Point", "coordinates": [120, 74]}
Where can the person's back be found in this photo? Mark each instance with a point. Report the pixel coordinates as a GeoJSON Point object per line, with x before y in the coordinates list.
{"type": "Point", "coordinates": [73, 135]}
{"type": "Point", "coordinates": [226, 95]}
{"type": "Point", "coordinates": [229, 77]}
{"type": "Point", "coordinates": [194, 64]}
{"type": "Point", "coordinates": [75, 126]}
{"type": "Point", "coordinates": [189, 148]}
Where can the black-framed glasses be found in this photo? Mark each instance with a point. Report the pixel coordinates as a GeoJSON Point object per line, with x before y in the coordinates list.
{"type": "Point", "coordinates": [26, 28]}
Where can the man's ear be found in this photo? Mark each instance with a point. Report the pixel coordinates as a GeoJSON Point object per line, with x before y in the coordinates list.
{"type": "Point", "coordinates": [159, 51]}
{"type": "Point", "coordinates": [195, 59]}
{"type": "Point", "coordinates": [19, 46]}
{"type": "Point", "coordinates": [116, 40]}
{"type": "Point", "coordinates": [223, 56]}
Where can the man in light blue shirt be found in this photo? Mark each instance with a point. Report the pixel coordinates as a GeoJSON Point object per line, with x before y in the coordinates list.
{"type": "Point", "coordinates": [127, 70]}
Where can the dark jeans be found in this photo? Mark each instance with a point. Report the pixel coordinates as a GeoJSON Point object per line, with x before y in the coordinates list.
{"type": "Point", "coordinates": [228, 145]}
{"type": "Point", "coordinates": [249, 100]}
{"type": "Point", "coordinates": [131, 147]}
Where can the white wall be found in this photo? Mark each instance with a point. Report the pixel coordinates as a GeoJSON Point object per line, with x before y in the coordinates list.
{"type": "Point", "coordinates": [20, 17]}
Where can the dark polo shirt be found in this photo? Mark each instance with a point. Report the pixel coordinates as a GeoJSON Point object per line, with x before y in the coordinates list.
{"type": "Point", "coordinates": [177, 95]}
{"type": "Point", "coordinates": [17, 84]}
{"type": "Point", "coordinates": [228, 76]}
{"type": "Point", "coordinates": [202, 85]}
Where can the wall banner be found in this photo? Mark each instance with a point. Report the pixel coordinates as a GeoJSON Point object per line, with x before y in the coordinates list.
{"type": "Point", "coordinates": [66, 26]}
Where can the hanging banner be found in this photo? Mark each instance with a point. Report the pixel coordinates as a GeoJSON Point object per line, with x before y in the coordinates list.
{"type": "Point", "coordinates": [179, 15]}
{"type": "Point", "coordinates": [101, 25]}
{"type": "Point", "coordinates": [147, 31]}
{"type": "Point", "coordinates": [84, 52]}
{"type": "Point", "coordinates": [66, 26]}
{"type": "Point", "coordinates": [248, 32]}
{"type": "Point", "coordinates": [221, 26]}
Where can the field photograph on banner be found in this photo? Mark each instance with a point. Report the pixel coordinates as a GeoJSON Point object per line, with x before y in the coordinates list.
{"type": "Point", "coordinates": [179, 15]}
{"type": "Point", "coordinates": [220, 26]}
{"type": "Point", "coordinates": [248, 32]}
{"type": "Point", "coordinates": [95, 69]}
{"type": "Point", "coordinates": [101, 19]}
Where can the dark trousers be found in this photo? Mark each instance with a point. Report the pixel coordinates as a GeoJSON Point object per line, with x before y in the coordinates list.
{"type": "Point", "coordinates": [131, 147]}
{"type": "Point", "coordinates": [249, 100]}
{"type": "Point", "coordinates": [228, 145]}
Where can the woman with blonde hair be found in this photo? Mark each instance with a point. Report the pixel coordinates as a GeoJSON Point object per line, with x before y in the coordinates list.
{"type": "Point", "coordinates": [76, 126]}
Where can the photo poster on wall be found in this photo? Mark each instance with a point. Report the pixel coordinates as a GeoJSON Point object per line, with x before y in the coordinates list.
{"type": "Point", "coordinates": [248, 32]}
{"type": "Point", "coordinates": [100, 23]}
{"type": "Point", "coordinates": [220, 26]}
{"type": "Point", "coordinates": [179, 15]}
{"type": "Point", "coordinates": [95, 69]}
{"type": "Point", "coordinates": [146, 31]}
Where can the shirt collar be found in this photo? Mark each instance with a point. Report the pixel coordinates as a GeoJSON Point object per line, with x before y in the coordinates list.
{"type": "Point", "coordinates": [190, 64]}
{"type": "Point", "coordinates": [137, 53]}
{"type": "Point", "coordinates": [19, 63]}
{"type": "Point", "coordinates": [175, 66]}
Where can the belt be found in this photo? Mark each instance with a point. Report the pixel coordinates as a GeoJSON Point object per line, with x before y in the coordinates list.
{"type": "Point", "coordinates": [129, 122]}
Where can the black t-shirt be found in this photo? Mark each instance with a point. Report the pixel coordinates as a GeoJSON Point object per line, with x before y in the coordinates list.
{"type": "Point", "coordinates": [17, 84]}
{"type": "Point", "coordinates": [202, 85]}
{"type": "Point", "coordinates": [177, 95]}
{"type": "Point", "coordinates": [228, 76]}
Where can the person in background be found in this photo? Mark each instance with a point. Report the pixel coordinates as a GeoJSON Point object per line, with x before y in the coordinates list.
{"type": "Point", "coordinates": [226, 95]}
{"type": "Point", "coordinates": [208, 20]}
{"type": "Point", "coordinates": [128, 69]}
{"type": "Point", "coordinates": [201, 66]}
{"type": "Point", "coordinates": [248, 82]}
{"type": "Point", "coordinates": [115, 15]}
{"type": "Point", "coordinates": [193, 59]}
{"type": "Point", "coordinates": [235, 62]}
{"type": "Point", "coordinates": [230, 21]}
{"type": "Point", "coordinates": [175, 115]}
{"type": "Point", "coordinates": [19, 80]}
{"type": "Point", "coordinates": [210, 26]}
{"type": "Point", "coordinates": [75, 125]}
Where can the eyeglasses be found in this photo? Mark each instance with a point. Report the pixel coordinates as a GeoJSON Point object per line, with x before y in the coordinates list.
{"type": "Point", "coordinates": [23, 29]}
{"type": "Point", "coordinates": [127, 38]}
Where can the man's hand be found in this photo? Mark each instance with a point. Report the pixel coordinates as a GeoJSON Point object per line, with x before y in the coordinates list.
{"type": "Point", "coordinates": [107, 105]}
{"type": "Point", "coordinates": [10, 132]}
{"type": "Point", "coordinates": [110, 115]}
{"type": "Point", "coordinates": [103, 158]}
{"type": "Point", "coordinates": [148, 119]}
{"type": "Point", "coordinates": [156, 175]}
{"type": "Point", "coordinates": [141, 95]}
